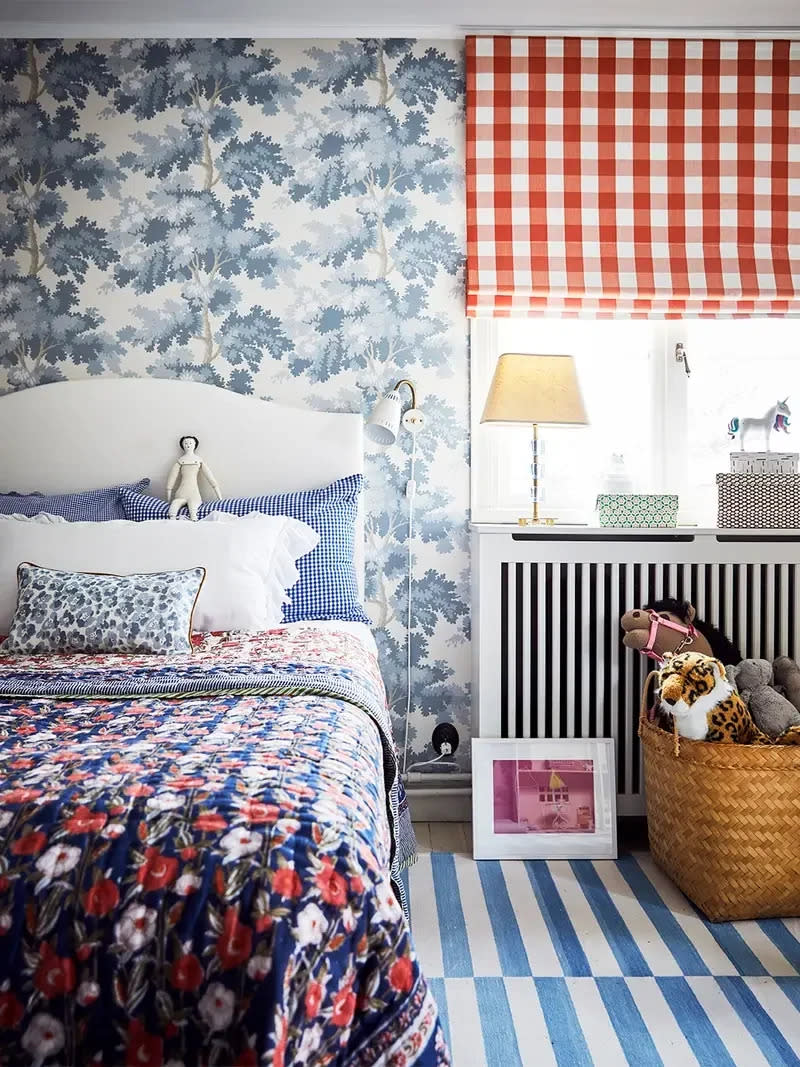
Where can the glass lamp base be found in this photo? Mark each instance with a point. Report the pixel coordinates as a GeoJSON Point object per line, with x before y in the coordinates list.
{"type": "Point", "coordinates": [537, 489]}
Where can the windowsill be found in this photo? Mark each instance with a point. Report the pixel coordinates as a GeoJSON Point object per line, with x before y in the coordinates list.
{"type": "Point", "coordinates": [617, 532]}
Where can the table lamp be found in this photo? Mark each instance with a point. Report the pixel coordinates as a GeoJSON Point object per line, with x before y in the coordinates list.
{"type": "Point", "coordinates": [540, 390]}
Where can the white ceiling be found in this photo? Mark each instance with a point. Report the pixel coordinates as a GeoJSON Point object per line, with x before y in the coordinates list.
{"type": "Point", "coordinates": [379, 18]}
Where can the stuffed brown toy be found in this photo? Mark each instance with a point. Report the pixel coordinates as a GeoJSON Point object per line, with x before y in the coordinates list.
{"type": "Point", "coordinates": [652, 632]}
{"type": "Point", "coordinates": [661, 627]}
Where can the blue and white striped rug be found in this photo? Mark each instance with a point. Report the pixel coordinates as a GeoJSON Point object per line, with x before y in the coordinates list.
{"type": "Point", "coordinates": [583, 963]}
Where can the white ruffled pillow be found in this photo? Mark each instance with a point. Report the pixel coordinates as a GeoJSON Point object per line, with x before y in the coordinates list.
{"type": "Point", "coordinates": [283, 575]}
{"type": "Point", "coordinates": [43, 516]}
{"type": "Point", "coordinates": [250, 562]}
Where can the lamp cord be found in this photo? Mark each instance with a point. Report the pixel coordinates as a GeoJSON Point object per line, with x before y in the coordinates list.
{"type": "Point", "coordinates": [411, 488]}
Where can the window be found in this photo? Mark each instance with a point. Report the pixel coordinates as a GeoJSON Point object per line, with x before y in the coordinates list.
{"type": "Point", "coordinates": [553, 796]}
{"type": "Point", "coordinates": [670, 427]}
{"type": "Point", "coordinates": [741, 367]}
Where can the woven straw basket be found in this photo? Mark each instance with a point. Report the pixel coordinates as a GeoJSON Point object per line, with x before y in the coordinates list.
{"type": "Point", "coordinates": [724, 822]}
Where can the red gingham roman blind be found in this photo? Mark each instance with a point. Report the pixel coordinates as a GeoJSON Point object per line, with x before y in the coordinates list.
{"type": "Point", "coordinates": [643, 178]}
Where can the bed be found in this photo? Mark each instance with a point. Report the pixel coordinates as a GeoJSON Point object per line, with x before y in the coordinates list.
{"type": "Point", "coordinates": [200, 852]}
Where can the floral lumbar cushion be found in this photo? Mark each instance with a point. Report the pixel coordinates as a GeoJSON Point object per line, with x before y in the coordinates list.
{"type": "Point", "coordinates": [69, 611]}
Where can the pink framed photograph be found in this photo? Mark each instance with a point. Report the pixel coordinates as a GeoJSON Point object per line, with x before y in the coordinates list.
{"type": "Point", "coordinates": [544, 799]}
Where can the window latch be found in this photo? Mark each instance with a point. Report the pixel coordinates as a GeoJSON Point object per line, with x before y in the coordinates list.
{"type": "Point", "coordinates": [681, 357]}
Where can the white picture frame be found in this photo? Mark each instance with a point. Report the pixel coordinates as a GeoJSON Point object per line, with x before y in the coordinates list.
{"type": "Point", "coordinates": [544, 798]}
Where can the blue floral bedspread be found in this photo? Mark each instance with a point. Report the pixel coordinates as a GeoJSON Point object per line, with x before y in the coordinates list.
{"type": "Point", "coordinates": [195, 857]}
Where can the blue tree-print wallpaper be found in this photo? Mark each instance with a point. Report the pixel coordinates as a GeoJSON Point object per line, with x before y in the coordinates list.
{"type": "Point", "coordinates": [283, 219]}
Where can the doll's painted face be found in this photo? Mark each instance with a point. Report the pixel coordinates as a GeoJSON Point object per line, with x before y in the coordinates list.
{"type": "Point", "coordinates": [188, 444]}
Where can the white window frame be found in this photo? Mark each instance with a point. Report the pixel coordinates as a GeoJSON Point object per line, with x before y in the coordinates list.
{"type": "Point", "coordinates": [665, 410]}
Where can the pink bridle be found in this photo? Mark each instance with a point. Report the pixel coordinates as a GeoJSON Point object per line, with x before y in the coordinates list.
{"type": "Point", "coordinates": [656, 620]}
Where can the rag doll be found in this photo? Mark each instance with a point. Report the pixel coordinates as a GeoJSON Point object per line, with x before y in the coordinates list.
{"type": "Point", "coordinates": [183, 488]}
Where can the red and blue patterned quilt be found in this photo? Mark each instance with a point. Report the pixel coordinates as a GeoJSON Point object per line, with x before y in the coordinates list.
{"type": "Point", "coordinates": [195, 858]}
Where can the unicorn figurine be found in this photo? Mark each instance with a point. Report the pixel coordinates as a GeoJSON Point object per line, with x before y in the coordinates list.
{"type": "Point", "coordinates": [777, 418]}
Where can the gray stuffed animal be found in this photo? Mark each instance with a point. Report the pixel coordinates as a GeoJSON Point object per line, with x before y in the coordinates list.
{"type": "Point", "coordinates": [771, 712]}
{"type": "Point", "coordinates": [730, 674]}
{"type": "Point", "coordinates": [787, 676]}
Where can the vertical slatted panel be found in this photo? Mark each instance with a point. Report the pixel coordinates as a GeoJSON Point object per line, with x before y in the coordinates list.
{"type": "Point", "coordinates": [504, 650]}
{"type": "Point", "coordinates": [555, 654]}
{"type": "Point", "coordinates": [782, 639]}
{"type": "Point", "coordinates": [741, 583]}
{"type": "Point", "coordinates": [657, 588]}
{"type": "Point", "coordinates": [671, 580]}
{"type": "Point", "coordinates": [714, 608]}
{"type": "Point", "coordinates": [726, 622]}
{"type": "Point", "coordinates": [646, 595]}
{"type": "Point", "coordinates": [627, 695]}
{"type": "Point", "coordinates": [768, 611]}
{"type": "Point", "coordinates": [754, 625]}
{"type": "Point", "coordinates": [687, 573]}
{"type": "Point", "coordinates": [698, 588]}
{"type": "Point", "coordinates": [520, 635]}
{"type": "Point", "coordinates": [596, 717]}
{"type": "Point", "coordinates": [620, 721]}
{"type": "Point", "coordinates": [528, 650]}
{"type": "Point", "coordinates": [611, 721]}
{"type": "Point", "coordinates": [564, 670]}
{"type": "Point", "coordinates": [580, 639]}
{"type": "Point", "coordinates": [536, 666]}
{"type": "Point", "coordinates": [548, 640]}
{"type": "Point", "coordinates": [587, 650]}
{"type": "Point", "coordinates": [511, 664]}
{"type": "Point", "coordinates": [544, 663]}
{"type": "Point", "coordinates": [682, 585]}
{"type": "Point", "coordinates": [571, 621]}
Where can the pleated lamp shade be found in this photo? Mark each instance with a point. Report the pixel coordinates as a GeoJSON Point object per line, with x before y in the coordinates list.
{"type": "Point", "coordinates": [528, 387]}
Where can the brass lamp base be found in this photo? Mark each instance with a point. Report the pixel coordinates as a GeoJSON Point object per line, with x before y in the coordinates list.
{"type": "Point", "coordinates": [535, 521]}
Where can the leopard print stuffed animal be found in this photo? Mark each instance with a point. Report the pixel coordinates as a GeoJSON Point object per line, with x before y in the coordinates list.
{"type": "Point", "coordinates": [704, 706]}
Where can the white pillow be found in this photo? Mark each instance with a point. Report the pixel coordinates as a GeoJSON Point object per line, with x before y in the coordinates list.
{"type": "Point", "coordinates": [249, 561]}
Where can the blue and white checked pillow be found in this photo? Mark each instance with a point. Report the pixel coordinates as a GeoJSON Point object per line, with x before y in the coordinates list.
{"type": "Point", "coordinates": [94, 505]}
{"type": "Point", "coordinates": [327, 588]}
{"type": "Point", "coordinates": [70, 611]}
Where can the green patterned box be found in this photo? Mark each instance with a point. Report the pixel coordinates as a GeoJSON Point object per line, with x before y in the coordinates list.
{"type": "Point", "coordinates": [637, 509]}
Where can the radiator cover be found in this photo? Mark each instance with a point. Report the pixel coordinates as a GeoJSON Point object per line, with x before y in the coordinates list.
{"type": "Point", "coordinates": [548, 655]}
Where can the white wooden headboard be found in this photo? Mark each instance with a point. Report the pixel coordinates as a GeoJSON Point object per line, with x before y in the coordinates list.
{"type": "Point", "coordinates": [87, 434]}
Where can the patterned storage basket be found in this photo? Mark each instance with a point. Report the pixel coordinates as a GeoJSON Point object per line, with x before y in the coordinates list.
{"type": "Point", "coordinates": [764, 462]}
{"type": "Point", "coordinates": [758, 501]}
{"type": "Point", "coordinates": [637, 509]}
{"type": "Point", "coordinates": [724, 822]}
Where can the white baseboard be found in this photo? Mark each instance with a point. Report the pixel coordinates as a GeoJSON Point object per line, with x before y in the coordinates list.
{"type": "Point", "coordinates": [440, 803]}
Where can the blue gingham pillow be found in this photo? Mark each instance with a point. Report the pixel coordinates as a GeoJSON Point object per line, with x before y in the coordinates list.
{"type": "Point", "coordinates": [327, 588]}
{"type": "Point", "coordinates": [95, 505]}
